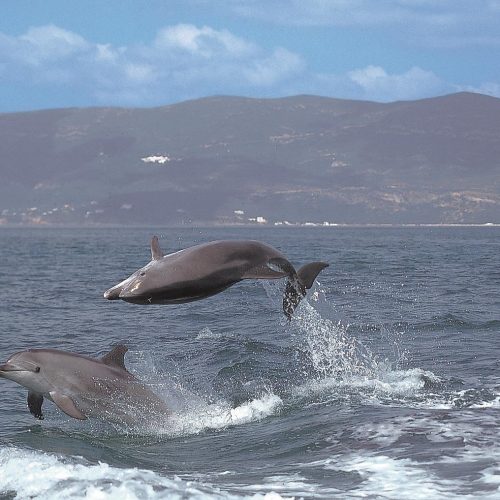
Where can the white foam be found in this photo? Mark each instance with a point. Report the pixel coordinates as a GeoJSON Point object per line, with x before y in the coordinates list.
{"type": "Point", "coordinates": [491, 477]}
{"type": "Point", "coordinates": [156, 159]}
{"type": "Point", "coordinates": [382, 386]}
{"type": "Point", "coordinates": [394, 476]}
{"type": "Point", "coordinates": [33, 474]}
{"type": "Point", "coordinates": [453, 400]}
{"type": "Point", "coordinates": [389, 477]}
{"type": "Point", "coordinates": [220, 415]}
{"type": "Point", "coordinates": [206, 333]}
{"type": "Point", "coordinates": [290, 484]}
{"type": "Point", "coordinates": [495, 403]}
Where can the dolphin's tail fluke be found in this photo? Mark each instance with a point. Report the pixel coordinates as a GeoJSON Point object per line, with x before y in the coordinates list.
{"type": "Point", "coordinates": [297, 284]}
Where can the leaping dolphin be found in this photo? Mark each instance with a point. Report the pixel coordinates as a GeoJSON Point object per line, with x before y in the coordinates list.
{"type": "Point", "coordinates": [207, 269]}
{"type": "Point", "coordinates": [84, 387]}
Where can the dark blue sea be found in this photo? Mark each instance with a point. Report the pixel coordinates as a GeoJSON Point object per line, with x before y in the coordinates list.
{"type": "Point", "coordinates": [386, 383]}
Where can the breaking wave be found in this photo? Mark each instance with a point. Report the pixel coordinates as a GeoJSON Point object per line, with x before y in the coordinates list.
{"type": "Point", "coordinates": [34, 474]}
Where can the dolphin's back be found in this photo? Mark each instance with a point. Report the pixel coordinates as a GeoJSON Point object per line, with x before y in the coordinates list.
{"type": "Point", "coordinates": [224, 255]}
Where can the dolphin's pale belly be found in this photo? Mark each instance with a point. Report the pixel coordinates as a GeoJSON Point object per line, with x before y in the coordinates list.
{"type": "Point", "coordinates": [178, 293]}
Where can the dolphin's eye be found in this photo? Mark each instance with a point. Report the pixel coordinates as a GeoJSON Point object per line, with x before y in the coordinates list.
{"type": "Point", "coordinates": [37, 369]}
{"type": "Point", "coordinates": [143, 273]}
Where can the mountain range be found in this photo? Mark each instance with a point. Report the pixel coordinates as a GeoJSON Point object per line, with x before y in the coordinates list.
{"type": "Point", "coordinates": [234, 160]}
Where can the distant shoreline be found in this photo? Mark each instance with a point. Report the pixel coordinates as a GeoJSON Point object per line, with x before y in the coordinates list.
{"type": "Point", "coordinates": [246, 226]}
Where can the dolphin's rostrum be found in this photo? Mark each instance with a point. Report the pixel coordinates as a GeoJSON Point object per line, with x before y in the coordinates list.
{"type": "Point", "coordinates": [84, 387]}
{"type": "Point", "coordinates": [203, 270]}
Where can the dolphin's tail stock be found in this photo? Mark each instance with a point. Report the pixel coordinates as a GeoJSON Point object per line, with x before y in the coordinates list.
{"type": "Point", "coordinates": [297, 284]}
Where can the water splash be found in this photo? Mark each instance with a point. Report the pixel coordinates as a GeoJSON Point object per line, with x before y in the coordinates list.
{"type": "Point", "coordinates": [199, 417]}
{"type": "Point", "coordinates": [332, 351]}
{"type": "Point", "coordinates": [338, 364]}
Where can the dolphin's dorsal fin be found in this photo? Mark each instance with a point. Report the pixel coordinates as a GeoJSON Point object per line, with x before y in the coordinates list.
{"type": "Point", "coordinates": [116, 357]}
{"type": "Point", "coordinates": [156, 253]}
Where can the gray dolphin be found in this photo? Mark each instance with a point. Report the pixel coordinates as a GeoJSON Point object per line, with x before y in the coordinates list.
{"type": "Point", "coordinates": [204, 270]}
{"type": "Point", "coordinates": [84, 387]}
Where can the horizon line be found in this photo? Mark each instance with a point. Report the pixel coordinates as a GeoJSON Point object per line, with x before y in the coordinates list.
{"type": "Point", "coordinates": [252, 98]}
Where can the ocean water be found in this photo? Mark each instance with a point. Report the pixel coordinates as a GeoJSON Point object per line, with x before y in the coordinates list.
{"type": "Point", "coordinates": [386, 383]}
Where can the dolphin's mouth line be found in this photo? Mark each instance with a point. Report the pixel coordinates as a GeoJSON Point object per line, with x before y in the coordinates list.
{"type": "Point", "coordinates": [7, 369]}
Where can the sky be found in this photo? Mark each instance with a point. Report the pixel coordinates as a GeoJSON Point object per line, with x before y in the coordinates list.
{"type": "Point", "coordinates": [142, 53]}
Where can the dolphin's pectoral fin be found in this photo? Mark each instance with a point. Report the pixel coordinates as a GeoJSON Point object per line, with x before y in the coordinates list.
{"type": "Point", "coordinates": [156, 252]}
{"type": "Point", "coordinates": [35, 401]}
{"type": "Point", "coordinates": [67, 405]}
{"type": "Point", "coordinates": [116, 357]}
{"type": "Point", "coordinates": [296, 286]}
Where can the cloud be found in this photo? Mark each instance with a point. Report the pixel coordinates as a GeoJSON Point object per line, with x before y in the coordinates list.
{"type": "Point", "coordinates": [42, 54]}
{"type": "Point", "coordinates": [206, 42]}
{"type": "Point", "coordinates": [269, 70]}
{"type": "Point", "coordinates": [185, 61]}
{"type": "Point", "coordinates": [139, 73]}
{"type": "Point", "coordinates": [50, 42]}
{"type": "Point", "coordinates": [375, 83]}
{"type": "Point", "coordinates": [445, 23]}
{"type": "Point", "coordinates": [488, 88]}
{"type": "Point", "coordinates": [365, 12]}
{"type": "Point", "coordinates": [181, 61]}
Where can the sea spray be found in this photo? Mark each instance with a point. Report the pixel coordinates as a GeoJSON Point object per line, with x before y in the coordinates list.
{"type": "Point", "coordinates": [333, 353]}
{"type": "Point", "coordinates": [338, 363]}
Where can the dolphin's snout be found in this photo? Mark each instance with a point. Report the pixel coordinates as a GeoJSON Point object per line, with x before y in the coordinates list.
{"type": "Point", "coordinates": [113, 293]}
{"type": "Point", "coordinates": [10, 367]}
{"type": "Point", "coordinates": [129, 288]}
